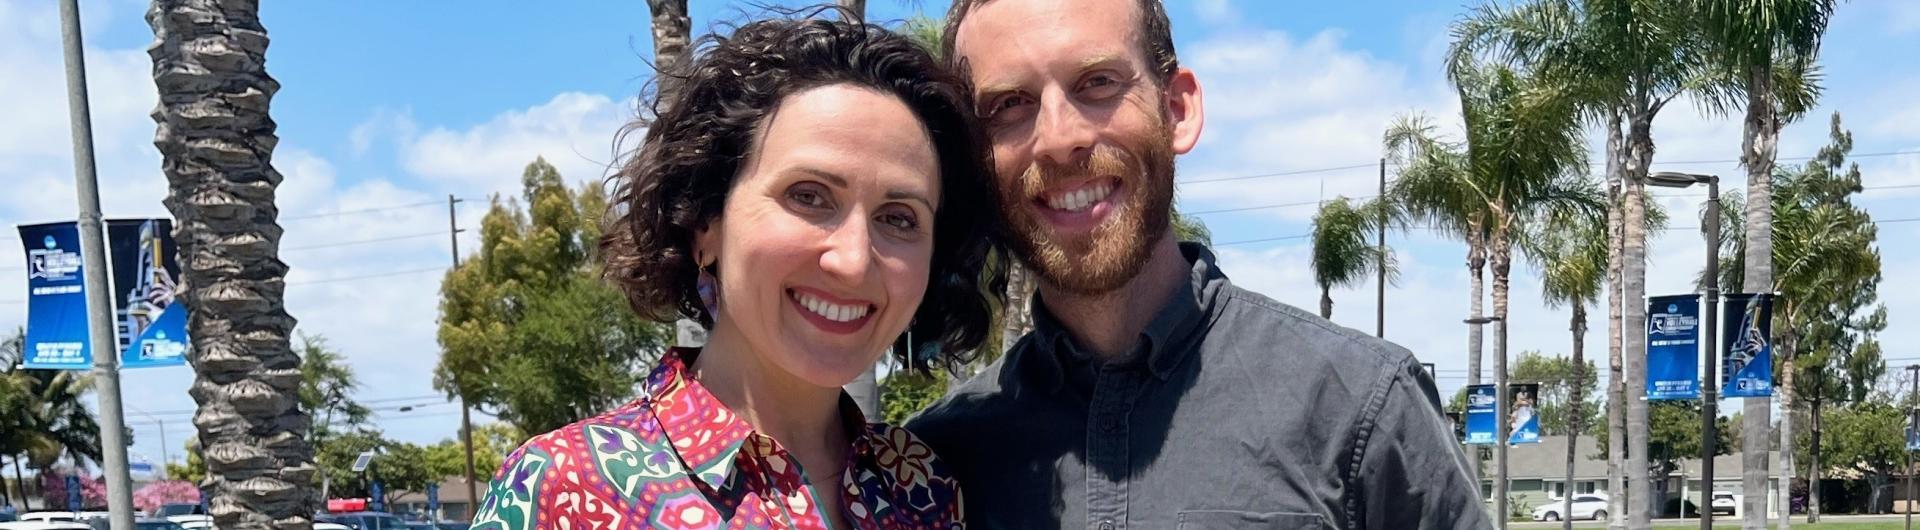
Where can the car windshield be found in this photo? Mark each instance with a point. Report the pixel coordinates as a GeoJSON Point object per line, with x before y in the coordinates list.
{"type": "Point", "coordinates": [156, 525]}
{"type": "Point", "coordinates": [171, 510]}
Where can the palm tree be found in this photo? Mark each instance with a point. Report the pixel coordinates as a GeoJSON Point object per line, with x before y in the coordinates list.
{"type": "Point", "coordinates": [856, 8]}
{"type": "Point", "coordinates": [216, 142]}
{"type": "Point", "coordinates": [1523, 157]}
{"type": "Point", "coordinates": [1417, 152]}
{"type": "Point", "coordinates": [46, 417]}
{"type": "Point", "coordinates": [1342, 255]}
{"type": "Point", "coordinates": [1571, 254]}
{"type": "Point", "coordinates": [1750, 38]}
{"type": "Point", "coordinates": [1626, 60]}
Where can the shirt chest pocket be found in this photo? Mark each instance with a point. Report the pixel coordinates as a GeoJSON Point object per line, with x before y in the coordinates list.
{"type": "Point", "coordinates": [1234, 520]}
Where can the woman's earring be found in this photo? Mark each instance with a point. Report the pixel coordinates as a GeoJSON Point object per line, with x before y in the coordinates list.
{"type": "Point", "coordinates": [709, 288]}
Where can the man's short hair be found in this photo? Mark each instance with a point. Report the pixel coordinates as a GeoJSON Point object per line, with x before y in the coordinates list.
{"type": "Point", "coordinates": [1156, 36]}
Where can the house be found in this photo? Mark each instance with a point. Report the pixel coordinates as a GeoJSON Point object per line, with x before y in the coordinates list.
{"type": "Point", "coordinates": [454, 503]}
{"type": "Point", "coordinates": [1537, 474]}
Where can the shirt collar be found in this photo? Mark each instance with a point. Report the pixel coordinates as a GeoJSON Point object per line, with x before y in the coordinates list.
{"type": "Point", "coordinates": [1167, 339]}
{"type": "Point", "coordinates": [707, 435]}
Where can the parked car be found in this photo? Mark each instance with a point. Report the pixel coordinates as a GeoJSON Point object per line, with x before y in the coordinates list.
{"type": "Point", "coordinates": [43, 525]}
{"type": "Point", "coordinates": [365, 520]}
{"type": "Point", "coordinates": [138, 524]}
{"type": "Point", "coordinates": [1590, 506]}
{"type": "Point", "coordinates": [1723, 502]}
{"type": "Point", "coordinates": [330, 526]}
{"type": "Point", "coordinates": [169, 511]}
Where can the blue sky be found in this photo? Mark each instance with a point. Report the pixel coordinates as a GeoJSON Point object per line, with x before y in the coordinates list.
{"type": "Point", "coordinates": [390, 107]}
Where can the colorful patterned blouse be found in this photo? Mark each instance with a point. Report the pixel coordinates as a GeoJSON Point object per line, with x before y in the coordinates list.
{"type": "Point", "coordinates": [678, 459]}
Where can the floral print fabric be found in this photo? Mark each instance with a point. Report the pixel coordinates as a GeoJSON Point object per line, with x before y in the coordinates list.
{"type": "Point", "coordinates": [679, 459]}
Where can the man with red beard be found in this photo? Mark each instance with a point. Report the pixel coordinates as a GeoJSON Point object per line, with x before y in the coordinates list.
{"type": "Point", "coordinates": [1153, 393]}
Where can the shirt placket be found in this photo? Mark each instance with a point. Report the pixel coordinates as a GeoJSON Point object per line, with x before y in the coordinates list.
{"type": "Point", "coordinates": [785, 495]}
{"type": "Point", "coordinates": [1109, 447]}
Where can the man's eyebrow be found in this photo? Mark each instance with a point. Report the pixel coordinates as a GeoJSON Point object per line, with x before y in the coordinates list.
{"type": "Point", "coordinates": [1099, 60]}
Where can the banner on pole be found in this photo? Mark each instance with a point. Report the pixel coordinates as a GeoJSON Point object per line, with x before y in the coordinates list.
{"type": "Point", "coordinates": [1913, 431]}
{"type": "Point", "coordinates": [1523, 423]}
{"type": "Point", "coordinates": [1673, 347]}
{"type": "Point", "coordinates": [1748, 354]}
{"type": "Point", "coordinates": [143, 277]}
{"type": "Point", "coordinates": [56, 299]}
{"type": "Point", "coordinates": [1481, 416]}
{"type": "Point", "coordinates": [152, 326]}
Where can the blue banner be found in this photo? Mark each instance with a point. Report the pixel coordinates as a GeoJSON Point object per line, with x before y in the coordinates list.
{"type": "Point", "coordinates": [56, 299]}
{"type": "Point", "coordinates": [73, 494]}
{"type": "Point", "coordinates": [152, 324]}
{"type": "Point", "coordinates": [377, 501]}
{"type": "Point", "coordinates": [1913, 431]}
{"type": "Point", "coordinates": [1481, 416]}
{"type": "Point", "coordinates": [1673, 347]}
{"type": "Point", "coordinates": [1524, 423]}
{"type": "Point", "coordinates": [1748, 354]}
{"type": "Point", "coordinates": [433, 501]}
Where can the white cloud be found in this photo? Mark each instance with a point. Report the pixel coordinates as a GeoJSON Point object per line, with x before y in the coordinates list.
{"type": "Point", "coordinates": [574, 131]}
{"type": "Point", "coordinates": [1216, 11]}
{"type": "Point", "coordinates": [1277, 103]}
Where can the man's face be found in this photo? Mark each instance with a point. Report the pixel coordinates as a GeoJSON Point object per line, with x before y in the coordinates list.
{"type": "Point", "coordinates": [1083, 133]}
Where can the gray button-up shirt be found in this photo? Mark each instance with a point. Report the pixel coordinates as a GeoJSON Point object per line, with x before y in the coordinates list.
{"type": "Point", "coordinates": [1233, 411]}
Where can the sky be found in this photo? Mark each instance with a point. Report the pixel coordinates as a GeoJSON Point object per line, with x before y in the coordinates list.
{"type": "Point", "coordinates": [385, 111]}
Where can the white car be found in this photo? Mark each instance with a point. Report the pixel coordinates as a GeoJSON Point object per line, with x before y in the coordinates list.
{"type": "Point", "coordinates": [331, 526]}
{"type": "Point", "coordinates": [1589, 506]}
{"type": "Point", "coordinates": [41, 524]}
{"type": "Point", "coordinates": [1723, 502]}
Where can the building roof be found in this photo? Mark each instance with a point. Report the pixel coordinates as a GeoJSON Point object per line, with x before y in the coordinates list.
{"type": "Point", "coordinates": [1547, 460]}
{"type": "Point", "coordinates": [453, 490]}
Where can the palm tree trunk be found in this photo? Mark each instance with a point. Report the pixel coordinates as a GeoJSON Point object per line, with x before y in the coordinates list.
{"type": "Point", "coordinates": [1616, 378]}
{"type": "Point", "coordinates": [20, 483]}
{"type": "Point", "coordinates": [1326, 302]}
{"type": "Point", "coordinates": [1018, 319]}
{"type": "Point", "coordinates": [1574, 402]}
{"type": "Point", "coordinates": [1634, 322]}
{"type": "Point", "coordinates": [1476, 272]}
{"type": "Point", "coordinates": [1757, 151]}
{"type": "Point", "coordinates": [855, 8]}
{"type": "Point", "coordinates": [1500, 254]}
{"type": "Point", "coordinates": [672, 31]}
{"type": "Point", "coordinates": [216, 141]}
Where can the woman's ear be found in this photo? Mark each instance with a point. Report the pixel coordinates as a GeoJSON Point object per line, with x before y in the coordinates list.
{"type": "Point", "coordinates": [706, 243]}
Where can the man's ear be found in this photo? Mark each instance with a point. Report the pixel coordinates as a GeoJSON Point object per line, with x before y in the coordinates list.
{"type": "Point", "coordinates": [1186, 113]}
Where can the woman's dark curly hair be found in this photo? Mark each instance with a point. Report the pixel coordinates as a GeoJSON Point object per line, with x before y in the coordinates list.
{"type": "Point", "coordinates": [678, 180]}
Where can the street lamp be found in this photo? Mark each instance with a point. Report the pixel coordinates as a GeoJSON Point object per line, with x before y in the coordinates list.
{"type": "Point", "coordinates": [1709, 388]}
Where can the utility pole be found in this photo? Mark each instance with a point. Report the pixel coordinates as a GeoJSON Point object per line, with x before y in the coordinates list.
{"type": "Point", "coordinates": [466, 412]}
{"type": "Point", "coordinates": [1913, 412]}
{"type": "Point", "coordinates": [1709, 385]}
{"type": "Point", "coordinates": [106, 354]}
{"type": "Point", "coordinates": [1380, 308]}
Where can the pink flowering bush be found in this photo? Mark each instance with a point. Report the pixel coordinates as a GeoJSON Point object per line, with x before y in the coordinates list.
{"type": "Point", "coordinates": [149, 498]}
{"type": "Point", "coordinates": [93, 491]}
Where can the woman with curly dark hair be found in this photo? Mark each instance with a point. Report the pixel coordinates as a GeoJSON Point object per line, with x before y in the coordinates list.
{"type": "Point", "coordinates": [813, 190]}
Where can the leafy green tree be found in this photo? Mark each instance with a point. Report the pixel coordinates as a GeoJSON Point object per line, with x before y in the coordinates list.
{"type": "Point", "coordinates": [47, 416]}
{"type": "Point", "coordinates": [194, 470]}
{"type": "Point", "coordinates": [326, 390]}
{"type": "Point", "coordinates": [529, 331]}
{"type": "Point", "coordinates": [903, 394]}
{"type": "Point", "coordinates": [1559, 381]}
{"type": "Point", "coordinates": [335, 462]}
{"type": "Point", "coordinates": [491, 443]}
{"type": "Point", "coordinates": [1342, 255]}
{"type": "Point", "coordinates": [1868, 437]}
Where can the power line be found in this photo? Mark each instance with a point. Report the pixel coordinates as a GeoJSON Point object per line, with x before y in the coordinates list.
{"type": "Point", "coordinates": [362, 241]}
{"type": "Point", "coordinates": [1280, 174]}
{"type": "Point", "coordinates": [338, 213]}
{"type": "Point", "coordinates": [368, 276]}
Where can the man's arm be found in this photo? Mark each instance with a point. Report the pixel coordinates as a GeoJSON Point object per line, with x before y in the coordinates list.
{"type": "Point", "coordinates": [1412, 473]}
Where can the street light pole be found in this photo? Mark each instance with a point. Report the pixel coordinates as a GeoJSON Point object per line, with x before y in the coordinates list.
{"type": "Point", "coordinates": [1710, 388]}
{"type": "Point", "coordinates": [1709, 385]}
{"type": "Point", "coordinates": [466, 412]}
{"type": "Point", "coordinates": [93, 252]}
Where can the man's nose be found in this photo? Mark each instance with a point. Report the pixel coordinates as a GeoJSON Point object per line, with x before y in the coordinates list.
{"type": "Point", "coordinates": [1062, 133]}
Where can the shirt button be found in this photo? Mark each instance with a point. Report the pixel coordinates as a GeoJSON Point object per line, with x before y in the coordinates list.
{"type": "Point", "coordinates": [1106, 525]}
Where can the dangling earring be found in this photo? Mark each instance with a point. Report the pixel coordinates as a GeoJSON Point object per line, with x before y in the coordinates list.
{"type": "Point", "coordinates": [709, 288]}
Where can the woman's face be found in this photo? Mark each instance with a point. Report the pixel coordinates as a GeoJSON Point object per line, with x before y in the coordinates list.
{"type": "Point", "coordinates": [824, 243]}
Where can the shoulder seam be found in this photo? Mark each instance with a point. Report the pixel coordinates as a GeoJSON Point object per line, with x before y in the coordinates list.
{"type": "Point", "coordinates": [1235, 293]}
{"type": "Point", "coordinates": [1363, 429]}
